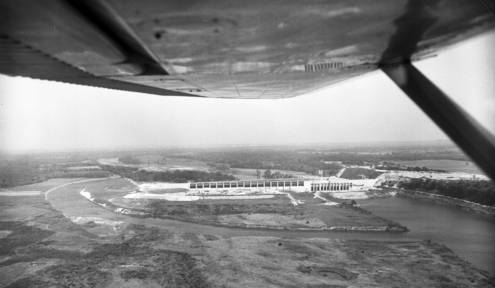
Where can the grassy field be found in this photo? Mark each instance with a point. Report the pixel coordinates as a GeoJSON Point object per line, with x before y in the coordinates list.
{"type": "Point", "coordinates": [209, 209]}
{"type": "Point", "coordinates": [272, 262]}
{"type": "Point", "coordinates": [275, 213]}
{"type": "Point", "coordinates": [360, 173]}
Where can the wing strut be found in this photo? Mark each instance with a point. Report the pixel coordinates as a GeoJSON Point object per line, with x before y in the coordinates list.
{"type": "Point", "coordinates": [477, 142]}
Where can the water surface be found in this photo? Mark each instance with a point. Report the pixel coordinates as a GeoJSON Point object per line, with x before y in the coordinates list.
{"type": "Point", "coordinates": [469, 235]}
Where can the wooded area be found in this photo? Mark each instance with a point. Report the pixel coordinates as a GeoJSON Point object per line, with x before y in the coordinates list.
{"type": "Point", "coordinates": [482, 191]}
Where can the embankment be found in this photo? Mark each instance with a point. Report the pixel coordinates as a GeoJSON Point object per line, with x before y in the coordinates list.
{"type": "Point", "coordinates": [382, 228]}
{"type": "Point", "coordinates": [446, 200]}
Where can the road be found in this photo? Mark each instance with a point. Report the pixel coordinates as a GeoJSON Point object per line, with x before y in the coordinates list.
{"type": "Point", "coordinates": [47, 192]}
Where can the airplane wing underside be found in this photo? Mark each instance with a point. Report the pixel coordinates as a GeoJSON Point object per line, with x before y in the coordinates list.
{"type": "Point", "coordinates": [222, 48]}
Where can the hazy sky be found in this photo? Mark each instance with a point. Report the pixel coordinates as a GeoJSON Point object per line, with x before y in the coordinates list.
{"type": "Point", "coordinates": [43, 115]}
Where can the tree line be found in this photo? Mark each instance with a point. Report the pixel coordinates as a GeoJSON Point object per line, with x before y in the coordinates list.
{"type": "Point", "coordinates": [479, 191]}
{"type": "Point", "coordinates": [269, 159]}
{"type": "Point", "coordinates": [175, 176]}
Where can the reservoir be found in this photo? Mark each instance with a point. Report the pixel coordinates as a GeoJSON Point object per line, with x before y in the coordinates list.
{"type": "Point", "coordinates": [469, 235]}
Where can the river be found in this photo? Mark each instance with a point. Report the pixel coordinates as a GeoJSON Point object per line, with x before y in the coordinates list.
{"type": "Point", "coordinates": [469, 235]}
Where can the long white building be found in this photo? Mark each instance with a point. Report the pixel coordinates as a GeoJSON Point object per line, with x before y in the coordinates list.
{"type": "Point", "coordinates": [331, 184]}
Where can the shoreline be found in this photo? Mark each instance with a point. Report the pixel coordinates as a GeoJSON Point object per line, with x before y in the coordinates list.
{"type": "Point", "coordinates": [465, 205]}
{"type": "Point", "coordinates": [393, 228]}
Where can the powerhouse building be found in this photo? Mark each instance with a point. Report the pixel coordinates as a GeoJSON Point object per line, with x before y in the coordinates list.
{"type": "Point", "coordinates": [331, 184]}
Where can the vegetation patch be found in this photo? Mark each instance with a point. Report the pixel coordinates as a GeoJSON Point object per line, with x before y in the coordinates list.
{"type": "Point", "coordinates": [166, 268]}
{"type": "Point", "coordinates": [275, 159]}
{"type": "Point", "coordinates": [481, 191]}
{"type": "Point", "coordinates": [278, 204]}
{"type": "Point", "coordinates": [76, 275]}
{"type": "Point", "coordinates": [274, 213]}
{"type": "Point", "coordinates": [395, 166]}
{"type": "Point", "coordinates": [360, 173]}
{"type": "Point", "coordinates": [175, 176]}
{"type": "Point", "coordinates": [21, 235]}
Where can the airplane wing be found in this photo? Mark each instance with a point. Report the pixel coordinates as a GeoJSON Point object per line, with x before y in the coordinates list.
{"type": "Point", "coordinates": [246, 49]}
{"type": "Point", "coordinates": [224, 48]}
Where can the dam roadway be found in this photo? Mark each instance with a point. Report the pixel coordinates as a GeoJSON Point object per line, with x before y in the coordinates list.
{"type": "Point", "coordinates": [472, 239]}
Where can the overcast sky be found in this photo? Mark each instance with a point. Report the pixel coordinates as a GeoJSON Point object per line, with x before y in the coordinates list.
{"type": "Point", "coordinates": [43, 115]}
